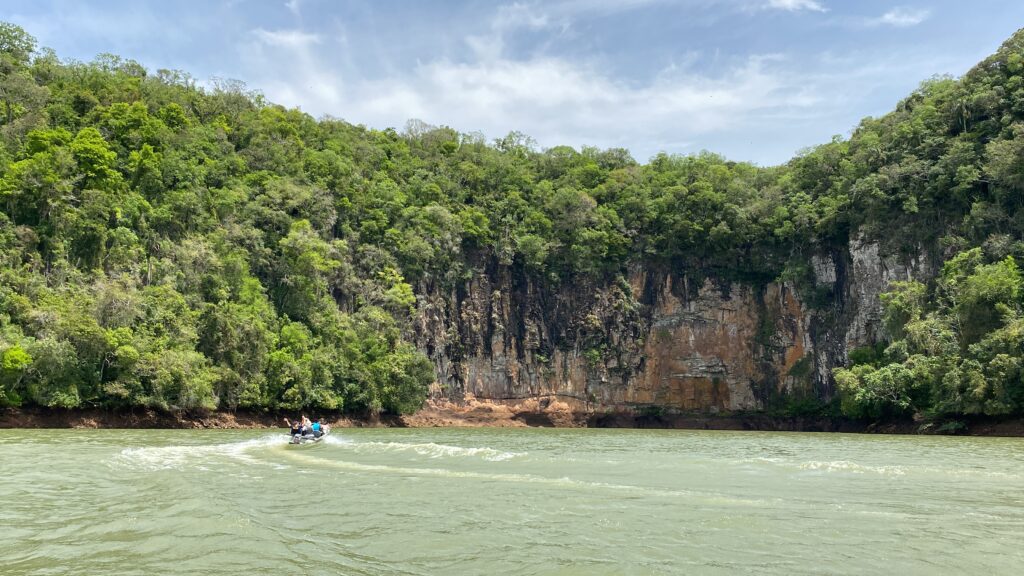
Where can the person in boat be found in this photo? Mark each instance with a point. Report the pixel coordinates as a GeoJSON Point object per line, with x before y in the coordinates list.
{"type": "Point", "coordinates": [295, 428]}
{"type": "Point", "coordinates": [317, 429]}
{"type": "Point", "coordinates": [307, 426]}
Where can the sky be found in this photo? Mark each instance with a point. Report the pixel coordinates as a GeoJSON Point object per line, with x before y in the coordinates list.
{"type": "Point", "coordinates": [753, 80]}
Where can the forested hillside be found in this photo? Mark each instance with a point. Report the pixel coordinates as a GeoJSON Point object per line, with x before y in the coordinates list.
{"type": "Point", "coordinates": [168, 245]}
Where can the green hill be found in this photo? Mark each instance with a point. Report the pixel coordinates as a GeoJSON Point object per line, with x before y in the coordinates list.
{"type": "Point", "coordinates": [173, 246]}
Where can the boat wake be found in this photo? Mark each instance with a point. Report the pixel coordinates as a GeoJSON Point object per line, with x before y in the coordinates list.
{"type": "Point", "coordinates": [304, 459]}
{"type": "Point", "coordinates": [429, 449]}
{"type": "Point", "coordinates": [199, 456]}
{"type": "Point", "coordinates": [205, 456]}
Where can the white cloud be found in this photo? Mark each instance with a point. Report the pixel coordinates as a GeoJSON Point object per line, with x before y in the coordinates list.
{"type": "Point", "coordinates": [554, 100]}
{"type": "Point", "coordinates": [562, 13]}
{"type": "Point", "coordinates": [518, 15]}
{"type": "Point", "coordinates": [762, 107]}
{"type": "Point", "coordinates": [558, 99]}
{"type": "Point", "coordinates": [796, 5]}
{"type": "Point", "coordinates": [360, 69]}
{"type": "Point", "coordinates": [294, 72]}
{"type": "Point", "coordinates": [901, 17]}
{"type": "Point", "coordinates": [293, 6]}
{"type": "Point", "coordinates": [286, 38]}
{"type": "Point", "coordinates": [602, 7]}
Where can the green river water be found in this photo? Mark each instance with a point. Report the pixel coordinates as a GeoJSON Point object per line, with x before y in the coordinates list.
{"type": "Point", "coordinates": [508, 501]}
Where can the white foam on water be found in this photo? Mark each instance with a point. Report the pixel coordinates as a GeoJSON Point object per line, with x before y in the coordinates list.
{"type": "Point", "coordinates": [197, 456]}
{"type": "Point", "coordinates": [852, 467]}
{"type": "Point", "coordinates": [428, 449]}
{"type": "Point", "coordinates": [562, 482]}
{"type": "Point", "coordinates": [884, 470]}
{"type": "Point", "coordinates": [972, 473]}
{"type": "Point", "coordinates": [447, 473]}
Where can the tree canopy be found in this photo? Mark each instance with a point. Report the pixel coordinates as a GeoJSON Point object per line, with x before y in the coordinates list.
{"type": "Point", "coordinates": [164, 244]}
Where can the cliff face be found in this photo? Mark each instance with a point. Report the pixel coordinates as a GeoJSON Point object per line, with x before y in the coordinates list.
{"type": "Point", "coordinates": [661, 339]}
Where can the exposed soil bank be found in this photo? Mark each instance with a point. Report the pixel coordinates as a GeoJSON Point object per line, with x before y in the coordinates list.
{"type": "Point", "coordinates": [485, 414]}
{"type": "Point", "coordinates": [144, 418]}
{"type": "Point", "coordinates": [550, 412]}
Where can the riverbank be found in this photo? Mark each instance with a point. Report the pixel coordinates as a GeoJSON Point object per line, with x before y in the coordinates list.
{"type": "Point", "coordinates": [486, 414]}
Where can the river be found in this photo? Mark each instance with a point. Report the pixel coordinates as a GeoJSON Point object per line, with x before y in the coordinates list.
{"type": "Point", "coordinates": [508, 501]}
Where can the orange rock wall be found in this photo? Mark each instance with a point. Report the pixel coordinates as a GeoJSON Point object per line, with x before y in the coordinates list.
{"type": "Point", "coordinates": [656, 339]}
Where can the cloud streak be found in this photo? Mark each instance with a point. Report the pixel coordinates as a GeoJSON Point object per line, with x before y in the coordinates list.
{"type": "Point", "coordinates": [901, 18]}
{"type": "Point", "coordinates": [796, 5]}
{"type": "Point", "coordinates": [296, 39]}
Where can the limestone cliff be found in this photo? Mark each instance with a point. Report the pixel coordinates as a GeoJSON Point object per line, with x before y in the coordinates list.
{"type": "Point", "coordinates": [659, 339]}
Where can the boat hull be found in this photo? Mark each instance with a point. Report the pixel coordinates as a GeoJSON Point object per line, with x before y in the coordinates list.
{"type": "Point", "coordinates": [299, 439]}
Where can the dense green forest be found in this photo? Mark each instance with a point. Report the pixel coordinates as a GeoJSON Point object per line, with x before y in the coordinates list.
{"type": "Point", "coordinates": [169, 245]}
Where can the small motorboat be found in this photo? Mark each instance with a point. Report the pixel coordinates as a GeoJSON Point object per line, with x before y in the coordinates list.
{"type": "Point", "coordinates": [308, 438]}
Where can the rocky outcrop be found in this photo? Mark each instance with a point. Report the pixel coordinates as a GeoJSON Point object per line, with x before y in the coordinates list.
{"type": "Point", "coordinates": [871, 275]}
{"type": "Point", "coordinates": [657, 340]}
